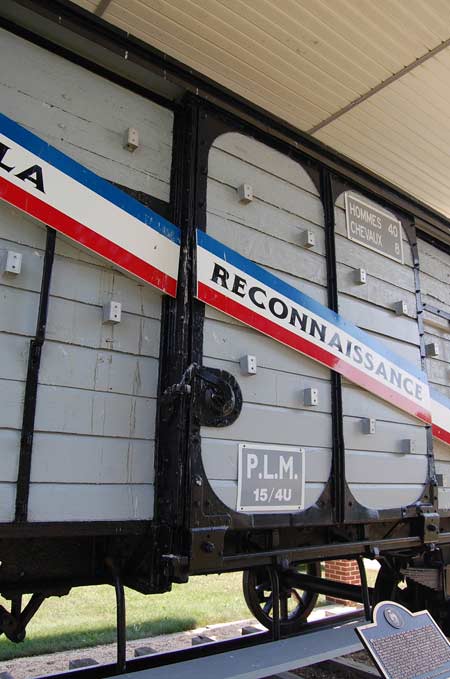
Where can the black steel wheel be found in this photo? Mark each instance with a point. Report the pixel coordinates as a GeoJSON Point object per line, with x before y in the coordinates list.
{"type": "Point", "coordinates": [295, 604]}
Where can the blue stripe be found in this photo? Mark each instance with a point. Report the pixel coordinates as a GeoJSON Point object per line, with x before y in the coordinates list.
{"type": "Point", "coordinates": [437, 396]}
{"type": "Point", "coordinates": [244, 264]}
{"type": "Point", "coordinates": [89, 179]}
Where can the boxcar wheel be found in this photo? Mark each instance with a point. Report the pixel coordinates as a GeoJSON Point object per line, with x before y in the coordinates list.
{"type": "Point", "coordinates": [295, 604]}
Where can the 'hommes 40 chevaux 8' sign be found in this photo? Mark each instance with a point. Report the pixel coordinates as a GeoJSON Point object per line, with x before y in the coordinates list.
{"type": "Point", "coordinates": [373, 227]}
{"type": "Point", "coordinates": [63, 194]}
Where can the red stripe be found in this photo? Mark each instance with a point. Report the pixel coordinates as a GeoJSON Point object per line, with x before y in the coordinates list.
{"type": "Point", "coordinates": [441, 434]}
{"type": "Point", "coordinates": [272, 329]}
{"type": "Point", "coordinates": [86, 236]}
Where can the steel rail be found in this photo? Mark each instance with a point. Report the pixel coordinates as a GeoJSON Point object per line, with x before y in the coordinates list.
{"type": "Point", "coordinates": [195, 652]}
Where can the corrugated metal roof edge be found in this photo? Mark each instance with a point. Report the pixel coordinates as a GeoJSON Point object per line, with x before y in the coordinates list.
{"type": "Point", "coordinates": [65, 14]}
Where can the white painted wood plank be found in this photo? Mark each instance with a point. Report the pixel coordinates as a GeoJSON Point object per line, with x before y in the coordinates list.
{"type": "Point", "coordinates": [66, 365]}
{"type": "Point", "coordinates": [354, 255]}
{"type": "Point", "coordinates": [444, 498]}
{"type": "Point", "coordinates": [388, 437]}
{"type": "Point", "coordinates": [434, 291]}
{"type": "Point", "coordinates": [76, 411]}
{"type": "Point", "coordinates": [9, 457]}
{"type": "Point", "coordinates": [382, 321]}
{"type": "Point", "coordinates": [410, 352]}
{"type": "Point", "coordinates": [11, 404]}
{"type": "Point", "coordinates": [386, 496]}
{"type": "Point", "coordinates": [267, 185]}
{"type": "Point", "coordinates": [268, 251]}
{"type": "Point", "coordinates": [358, 402]}
{"type": "Point", "coordinates": [30, 276]}
{"type": "Point", "coordinates": [7, 502]}
{"type": "Point", "coordinates": [364, 467]}
{"type": "Point", "coordinates": [18, 311]}
{"type": "Point", "coordinates": [224, 213]}
{"type": "Point", "coordinates": [443, 346]}
{"type": "Point", "coordinates": [266, 158]}
{"type": "Point", "coordinates": [62, 458]}
{"type": "Point", "coordinates": [230, 342]}
{"type": "Point", "coordinates": [75, 502]}
{"type": "Point", "coordinates": [97, 285]}
{"type": "Point", "coordinates": [14, 351]}
{"type": "Point", "coordinates": [19, 228]}
{"type": "Point", "coordinates": [77, 323]}
{"type": "Point", "coordinates": [380, 293]}
{"type": "Point", "coordinates": [264, 424]}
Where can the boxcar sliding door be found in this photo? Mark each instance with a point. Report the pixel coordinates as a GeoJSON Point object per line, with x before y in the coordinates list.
{"type": "Point", "coordinates": [286, 396]}
{"type": "Point", "coordinates": [385, 448]}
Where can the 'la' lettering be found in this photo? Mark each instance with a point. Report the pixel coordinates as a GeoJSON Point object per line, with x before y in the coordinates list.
{"type": "Point", "coordinates": [31, 174]}
{"type": "Point", "coordinates": [3, 151]}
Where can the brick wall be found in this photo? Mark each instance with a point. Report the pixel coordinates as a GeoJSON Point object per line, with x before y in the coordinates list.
{"type": "Point", "coordinates": [343, 570]}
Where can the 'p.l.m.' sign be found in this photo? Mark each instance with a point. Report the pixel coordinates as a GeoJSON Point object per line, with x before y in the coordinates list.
{"type": "Point", "coordinates": [65, 195]}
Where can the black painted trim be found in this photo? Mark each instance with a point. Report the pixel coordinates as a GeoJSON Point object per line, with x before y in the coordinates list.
{"type": "Point", "coordinates": [31, 386]}
{"type": "Point", "coordinates": [338, 444]}
{"type": "Point", "coordinates": [73, 528]}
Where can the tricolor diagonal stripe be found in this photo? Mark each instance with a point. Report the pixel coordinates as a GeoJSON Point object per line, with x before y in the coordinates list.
{"type": "Point", "coordinates": [63, 194]}
{"type": "Point", "coordinates": [440, 416]}
{"type": "Point", "coordinates": [246, 291]}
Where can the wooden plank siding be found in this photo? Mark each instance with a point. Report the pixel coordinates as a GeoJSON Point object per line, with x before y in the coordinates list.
{"type": "Point", "coordinates": [268, 232]}
{"type": "Point", "coordinates": [93, 452]}
{"type": "Point", "coordinates": [434, 285]}
{"type": "Point", "coordinates": [379, 474]}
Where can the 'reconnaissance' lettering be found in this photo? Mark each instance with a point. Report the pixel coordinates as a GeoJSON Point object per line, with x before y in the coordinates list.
{"type": "Point", "coordinates": [327, 335]}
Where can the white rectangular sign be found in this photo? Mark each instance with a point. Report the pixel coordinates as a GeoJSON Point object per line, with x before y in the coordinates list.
{"type": "Point", "coordinates": [373, 227]}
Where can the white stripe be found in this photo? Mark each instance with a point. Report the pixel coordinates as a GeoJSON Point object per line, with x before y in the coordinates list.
{"type": "Point", "coordinates": [92, 210]}
{"type": "Point", "coordinates": [440, 414]}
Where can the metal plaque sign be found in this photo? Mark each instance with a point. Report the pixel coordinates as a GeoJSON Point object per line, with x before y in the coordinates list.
{"type": "Point", "coordinates": [406, 645]}
{"type": "Point", "coordinates": [373, 227]}
{"type": "Point", "coordinates": [270, 478]}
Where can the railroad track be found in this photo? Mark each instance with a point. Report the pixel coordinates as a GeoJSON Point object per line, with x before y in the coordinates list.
{"type": "Point", "coordinates": [253, 656]}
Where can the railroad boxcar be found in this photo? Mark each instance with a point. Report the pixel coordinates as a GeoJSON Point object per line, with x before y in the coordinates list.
{"type": "Point", "coordinates": [261, 387]}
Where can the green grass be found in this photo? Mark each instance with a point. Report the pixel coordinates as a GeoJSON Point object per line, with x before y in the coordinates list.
{"type": "Point", "coordinates": [86, 617]}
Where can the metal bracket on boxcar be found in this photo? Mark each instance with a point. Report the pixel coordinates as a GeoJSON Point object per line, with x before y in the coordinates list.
{"type": "Point", "coordinates": [218, 397]}
{"type": "Point", "coordinates": [430, 526]}
{"type": "Point", "coordinates": [172, 395]}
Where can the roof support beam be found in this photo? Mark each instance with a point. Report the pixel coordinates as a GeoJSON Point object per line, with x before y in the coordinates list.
{"type": "Point", "coordinates": [381, 86]}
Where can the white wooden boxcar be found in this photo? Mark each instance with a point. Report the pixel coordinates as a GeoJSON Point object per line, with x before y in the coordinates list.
{"type": "Point", "coordinates": [222, 346]}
